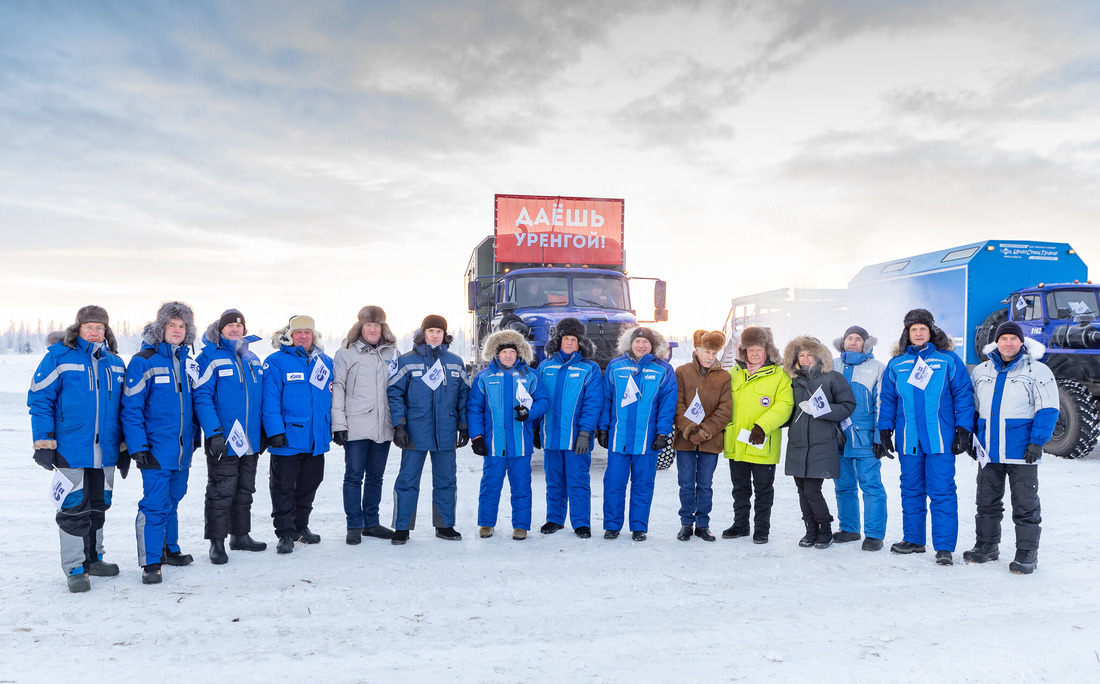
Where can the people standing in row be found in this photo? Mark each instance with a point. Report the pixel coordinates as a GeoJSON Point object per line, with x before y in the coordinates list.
{"type": "Point", "coordinates": [565, 433]}
{"type": "Point", "coordinates": [297, 406]}
{"type": "Point", "coordinates": [228, 395]}
{"type": "Point", "coordinates": [75, 400]}
{"type": "Point", "coordinates": [506, 399]}
{"type": "Point", "coordinates": [703, 409]}
{"type": "Point", "coordinates": [159, 424]}
{"type": "Point", "coordinates": [823, 400]}
{"type": "Point", "coordinates": [859, 468]}
{"type": "Point", "coordinates": [928, 403]}
{"type": "Point", "coordinates": [427, 397]}
{"type": "Point", "coordinates": [762, 404]}
{"type": "Point", "coordinates": [1017, 404]}
{"type": "Point", "coordinates": [636, 424]}
{"type": "Point", "coordinates": [361, 423]}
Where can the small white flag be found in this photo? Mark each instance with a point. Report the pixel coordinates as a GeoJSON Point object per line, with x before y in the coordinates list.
{"type": "Point", "coordinates": [319, 377]}
{"type": "Point", "coordinates": [238, 439]}
{"type": "Point", "coordinates": [695, 412]}
{"type": "Point", "coordinates": [983, 455]}
{"type": "Point", "coordinates": [60, 487]}
{"type": "Point", "coordinates": [631, 393]}
{"type": "Point", "coordinates": [434, 376]}
{"type": "Point", "coordinates": [193, 371]}
{"type": "Point", "coordinates": [744, 435]}
{"type": "Point", "coordinates": [1020, 304]}
{"type": "Point", "coordinates": [522, 395]}
{"type": "Point", "coordinates": [846, 423]}
{"type": "Point", "coordinates": [393, 363]}
{"type": "Point", "coordinates": [920, 374]}
{"type": "Point", "coordinates": [818, 404]}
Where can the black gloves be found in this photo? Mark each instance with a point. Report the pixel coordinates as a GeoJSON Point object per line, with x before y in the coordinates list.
{"type": "Point", "coordinates": [123, 463]}
{"type": "Point", "coordinates": [582, 446]}
{"type": "Point", "coordinates": [277, 441]}
{"type": "Point", "coordinates": [215, 447]}
{"type": "Point", "coordinates": [757, 436]}
{"type": "Point", "coordinates": [1034, 453]}
{"type": "Point", "coordinates": [144, 460]}
{"type": "Point", "coordinates": [522, 413]}
{"type": "Point", "coordinates": [463, 437]}
{"type": "Point", "coordinates": [44, 457]}
{"type": "Point", "coordinates": [885, 446]}
{"type": "Point", "coordinates": [478, 445]}
{"type": "Point", "coordinates": [961, 442]}
{"type": "Point", "coordinates": [602, 438]}
{"type": "Point", "coordinates": [340, 437]}
{"type": "Point", "coordinates": [536, 438]}
{"type": "Point", "coordinates": [659, 443]}
{"type": "Point", "coordinates": [401, 437]}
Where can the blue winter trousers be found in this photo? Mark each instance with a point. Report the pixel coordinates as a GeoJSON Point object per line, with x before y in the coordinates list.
{"type": "Point", "coordinates": [363, 458]}
{"type": "Point", "coordinates": [157, 524]}
{"type": "Point", "coordinates": [568, 487]}
{"type": "Point", "coordinates": [928, 482]}
{"type": "Point", "coordinates": [492, 481]}
{"type": "Point", "coordinates": [406, 491]}
{"type": "Point", "coordinates": [80, 519]}
{"type": "Point", "coordinates": [695, 474]}
{"type": "Point", "coordinates": [640, 471]}
{"type": "Point", "coordinates": [861, 473]}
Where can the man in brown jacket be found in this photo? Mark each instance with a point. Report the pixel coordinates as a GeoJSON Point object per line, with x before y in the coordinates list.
{"type": "Point", "coordinates": [703, 407]}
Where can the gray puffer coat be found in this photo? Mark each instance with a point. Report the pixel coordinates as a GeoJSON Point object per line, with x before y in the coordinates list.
{"type": "Point", "coordinates": [361, 374]}
{"type": "Point", "coordinates": [814, 444]}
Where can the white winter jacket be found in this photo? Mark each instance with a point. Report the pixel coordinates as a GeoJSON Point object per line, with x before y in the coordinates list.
{"type": "Point", "coordinates": [361, 375]}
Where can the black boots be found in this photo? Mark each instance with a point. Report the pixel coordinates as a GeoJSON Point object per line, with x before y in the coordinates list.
{"type": "Point", "coordinates": [904, 547]}
{"type": "Point", "coordinates": [843, 536]}
{"type": "Point", "coordinates": [550, 528]}
{"type": "Point", "coordinates": [79, 582]}
{"type": "Point", "coordinates": [448, 533]}
{"type": "Point", "coordinates": [1025, 561]}
{"type": "Point", "coordinates": [243, 542]}
{"type": "Point", "coordinates": [285, 545]}
{"type": "Point", "coordinates": [638, 535]}
{"type": "Point", "coordinates": [150, 574]}
{"type": "Point", "coordinates": [307, 537]}
{"type": "Point", "coordinates": [810, 538]}
{"type": "Point", "coordinates": [101, 568]}
{"type": "Point", "coordinates": [217, 552]}
{"type": "Point", "coordinates": [355, 536]}
{"type": "Point", "coordinates": [685, 533]}
{"type": "Point", "coordinates": [610, 534]}
{"type": "Point", "coordinates": [378, 532]}
{"type": "Point", "coordinates": [983, 552]}
{"type": "Point", "coordinates": [177, 558]}
{"type": "Point", "coordinates": [735, 531]}
{"type": "Point", "coordinates": [583, 532]}
{"type": "Point", "coordinates": [824, 536]}
{"type": "Point", "coordinates": [399, 537]}
{"type": "Point", "coordinates": [944, 557]}
{"type": "Point", "coordinates": [704, 533]}
{"type": "Point", "coordinates": [872, 544]}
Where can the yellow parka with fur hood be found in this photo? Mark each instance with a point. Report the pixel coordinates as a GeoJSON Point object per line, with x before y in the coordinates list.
{"type": "Point", "coordinates": [763, 398]}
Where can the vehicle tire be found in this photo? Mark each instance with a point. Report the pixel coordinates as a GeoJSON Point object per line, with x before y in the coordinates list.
{"type": "Point", "coordinates": [986, 330]}
{"type": "Point", "coordinates": [666, 458]}
{"type": "Point", "coordinates": [1078, 426]}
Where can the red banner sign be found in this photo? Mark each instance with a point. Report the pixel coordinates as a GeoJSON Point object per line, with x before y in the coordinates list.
{"type": "Point", "coordinates": [559, 230]}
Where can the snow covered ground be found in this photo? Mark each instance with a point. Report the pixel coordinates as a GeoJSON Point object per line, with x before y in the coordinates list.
{"type": "Point", "coordinates": [553, 608]}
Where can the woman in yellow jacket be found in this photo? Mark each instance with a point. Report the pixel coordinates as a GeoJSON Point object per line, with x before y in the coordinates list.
{"type": "Point", "coordinates": [762, 403]}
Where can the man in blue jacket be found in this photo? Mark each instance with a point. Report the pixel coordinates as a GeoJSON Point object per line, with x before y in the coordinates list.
{"type": "Point", "coordinates": [74, 403]}
{"type": "Point", "coordinates": [506, 398]}
{"type": "Point", "coordinates": [635, 426]}
{"type": "Point", "coordinates": [227, 398]}
{"type": "Point", "coordinates": [573, 383]}
{"type": "Point", "coordinates": [296, 413]}
{"type": "Point", "coordinates": [1017, 400]}
{"type": "Point", "coordinates": [427, 397]}
{"type": "Point", "coordinates": [927, 399]}
{"type": "Point", "coordinates": [158, 422]}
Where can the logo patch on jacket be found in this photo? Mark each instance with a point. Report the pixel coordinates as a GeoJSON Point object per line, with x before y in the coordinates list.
{"type": "Point", "coordinates": [161, 379]}
{"type": "Point", "coordinates": [765, 401]}
{"type": "Point", "coordinates": [225, 372]}
{"type": "Point", "coordinates": [291, 377]}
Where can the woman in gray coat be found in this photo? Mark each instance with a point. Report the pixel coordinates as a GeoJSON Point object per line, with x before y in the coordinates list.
{"type": "Point", "coordinates": [823, 400]}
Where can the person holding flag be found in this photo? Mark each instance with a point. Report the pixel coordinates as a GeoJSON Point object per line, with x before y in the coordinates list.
{"type": "Point", "coordinates": [506, 399]}
{"type": "Point", "coordinates": [704, 404]}
{"type": "Point", "coordinates": [823, 404]}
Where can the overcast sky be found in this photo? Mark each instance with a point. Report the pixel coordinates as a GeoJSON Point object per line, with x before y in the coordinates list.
{"type": "Point", "coordinates": [313, 157]}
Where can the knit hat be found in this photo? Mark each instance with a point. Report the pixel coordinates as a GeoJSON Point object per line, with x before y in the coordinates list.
{"type": "Point", "coordinates": [645, 333]}
{"type": "Point", "coordinates": [862, 332]}
{"type": "Point", "coordinates": [1009, 328]}
{"type": "Point", "coordinates": [434, 321]}
{"type": "Point", "coordinates": [230, 316]}
{"type": "Point", "coordinates": [712, 341]}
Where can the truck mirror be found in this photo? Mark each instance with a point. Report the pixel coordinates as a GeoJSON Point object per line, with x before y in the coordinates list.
{"type": "Point", "coordinates": [660, 315]}
{"type": "Point", "coordinates": [506, 306]}
{"type": "Point", "coordinates": [659, 290]}
{"type": "Point", "coordinates": [471, 295]}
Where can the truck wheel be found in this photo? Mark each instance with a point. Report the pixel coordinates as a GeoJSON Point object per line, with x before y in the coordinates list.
{"type": "Point", "coordinates": [666, 458]}
{"type": "Point", "coordinates": [986, 330]}
{"type": "Point", "coordinates": [1078, 425]}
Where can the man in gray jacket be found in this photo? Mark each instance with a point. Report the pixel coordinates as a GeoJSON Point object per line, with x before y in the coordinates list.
{"type": "Point", "coordinates": [361, 418]}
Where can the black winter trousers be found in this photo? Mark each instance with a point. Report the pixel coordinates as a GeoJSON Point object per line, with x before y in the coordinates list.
{"type": "Point", "coordinates": [750, 478]}
{"type": "Point", "coordinates": [230, 484]}
{"type": "Point", "coordinates": [1023, 480]}
{"type": "Point", "coordinates": [294, 483]}
{"type": "Point", "coordinates": [810, 499]}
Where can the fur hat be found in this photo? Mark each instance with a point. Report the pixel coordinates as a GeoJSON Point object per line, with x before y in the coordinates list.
{"type": "Point", "coordinates": [806, 343]}
{"type": "Point", "coordinates": [507, 339]}
{"type": "Point", "coordinates": [570, 327]}
{"type": "Point", "coordinates": [712, 341]}
{"type": "Point", "coordinates": [154, 331]}
{"type": "Point", "coordinates": [54, 336]}
{"type": "Point", "coordinates": [90, 314]}
{"type": "Point", "coordinates": [281, 338]}
{"type": "Point", "coordinates": [924, 317]}
{"type": "Point", "coordinates": [757, 336]}
{"type": "Point", "coordinates": [869, 340]}
{"type": "Point", "coordinates": [656, 339]}
{"type": "Point", "coordinates": [369, 314]}
{"type": "Point", "coordinates": [434, 321]}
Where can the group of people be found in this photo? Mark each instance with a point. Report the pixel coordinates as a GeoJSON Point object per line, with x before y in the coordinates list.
{"type": "Point", "coordinates": [93, 415]}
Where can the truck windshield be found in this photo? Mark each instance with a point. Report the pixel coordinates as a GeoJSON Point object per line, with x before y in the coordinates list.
{"type": "Point", "coordinates": [1070, 303]}
{"type": "Point", "coordinates": [539, 291]}
{"type": "Point", "coordinates": [606, 293]}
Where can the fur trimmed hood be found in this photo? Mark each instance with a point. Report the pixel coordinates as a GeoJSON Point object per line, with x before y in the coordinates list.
{"type": "Point", "coordinates": [369, 314]}
{"type": "Point", "coordinates": [418, 338]}
{"type": "Point", "coordinates": [154, 331]}
{"type": "Point", "coordinates": [281, 337]}
{"type": "Point", "coordinates": [88, 314]}
{"type": "Point", "coordinates": [503, 337]}
{"type": "Point", "coordinates": [1034, 348]}
{"type": "Point", "coordinates": [573, 328]}
{"type": "Point", "coordinates": [759, 337]}
{"type": "Point", "coordinates": [810, 344]}
{"type": "Point", "coordinates": [660, 344]}
{"type": "Point", "coordinates": [868, 344]}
